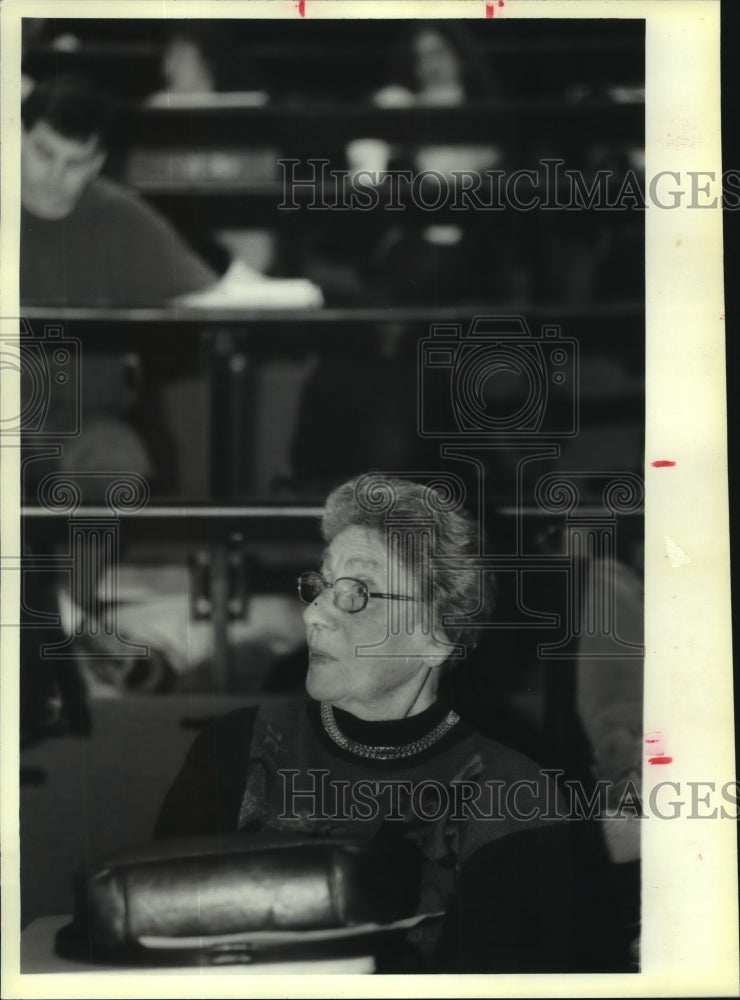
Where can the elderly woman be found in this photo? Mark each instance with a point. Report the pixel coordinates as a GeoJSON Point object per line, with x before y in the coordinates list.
{"type": "Point", "coordinates": [375, 750]}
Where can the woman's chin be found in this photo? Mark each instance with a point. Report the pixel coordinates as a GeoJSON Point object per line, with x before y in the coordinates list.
{"type": "Point", "coordinates": [319, 684]}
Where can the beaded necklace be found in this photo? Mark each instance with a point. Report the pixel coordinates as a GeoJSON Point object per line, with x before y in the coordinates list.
{"type": "Point", "coordinates": [385, 753]}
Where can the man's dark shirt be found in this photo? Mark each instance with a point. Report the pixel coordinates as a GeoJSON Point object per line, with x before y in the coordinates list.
{"type": "Point", "coordinates": [112, 250]}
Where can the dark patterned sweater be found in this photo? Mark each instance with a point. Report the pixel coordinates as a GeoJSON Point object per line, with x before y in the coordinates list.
{"type": "Point", "coordinates": [496, 857]}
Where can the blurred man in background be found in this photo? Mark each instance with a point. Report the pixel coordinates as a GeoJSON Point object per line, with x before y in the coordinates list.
{"type": "Point", "coordinates": [85, 240]}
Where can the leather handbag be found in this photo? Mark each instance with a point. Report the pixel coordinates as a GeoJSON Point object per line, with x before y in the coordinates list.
{"type": "Point", "coordinates": [242, 897]}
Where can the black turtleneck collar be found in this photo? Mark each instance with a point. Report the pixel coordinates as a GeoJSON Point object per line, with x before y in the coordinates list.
{"type": "Point", "coordinates": [390, 732]}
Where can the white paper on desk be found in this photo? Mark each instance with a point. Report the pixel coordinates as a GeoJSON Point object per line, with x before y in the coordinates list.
{"type": "Point", "coordinates": [227, 99]}
{"type": "Point", "coordinates": [242, 286]}
{"type": "Point", "coordinates": [154, 606]}
{"type": "Point", "coordinates": [287, 937]}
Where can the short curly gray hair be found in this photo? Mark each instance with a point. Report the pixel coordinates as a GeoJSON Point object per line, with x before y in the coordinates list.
{"type": "Point", "coordinates": [374, 500]}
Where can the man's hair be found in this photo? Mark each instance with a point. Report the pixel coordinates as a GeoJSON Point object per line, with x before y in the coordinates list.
{"type": "Point", "coordinates": [370, 501]}
{"type": "Point", "coordinates": [72, 106]}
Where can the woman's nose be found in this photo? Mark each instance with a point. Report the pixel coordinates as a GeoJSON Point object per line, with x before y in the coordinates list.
{"type": "Point", "coordinates": [322, 611]}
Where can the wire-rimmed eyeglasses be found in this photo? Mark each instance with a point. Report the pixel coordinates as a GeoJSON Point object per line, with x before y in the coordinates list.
{"type": "Point", "coordinates": [350, 595]}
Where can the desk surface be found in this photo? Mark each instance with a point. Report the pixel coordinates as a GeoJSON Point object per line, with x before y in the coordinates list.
{"type": "Point", "coordinates": [37, 956]}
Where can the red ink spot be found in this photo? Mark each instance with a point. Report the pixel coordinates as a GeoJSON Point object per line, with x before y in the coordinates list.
{"type": "Point", "coordinates": [491, 8]}
{"type": "Point", "coordinates": [663, 463]}
{"type": "Point", "coordinates": [700, 857]}
{"type": "Point", "coordinates": [655, 737]}
{"type": "Point", "coordinates": [301, 5]}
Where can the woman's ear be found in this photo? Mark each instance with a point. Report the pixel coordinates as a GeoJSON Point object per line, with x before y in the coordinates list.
{"type": "Point", "coordinates": [436, 650]}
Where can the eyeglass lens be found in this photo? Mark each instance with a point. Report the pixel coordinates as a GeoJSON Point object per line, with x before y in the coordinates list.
{"type": "Point", "coordinates": [349, 594]}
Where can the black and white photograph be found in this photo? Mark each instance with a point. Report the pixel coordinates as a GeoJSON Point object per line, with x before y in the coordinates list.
{"type": "Point", "coordinates": [362, 380]}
